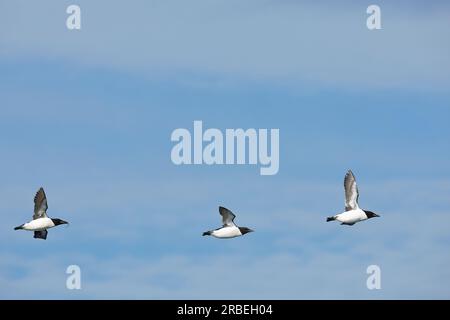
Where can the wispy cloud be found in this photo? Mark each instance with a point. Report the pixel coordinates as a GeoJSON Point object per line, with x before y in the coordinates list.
{"type": "Point", "coordinates": [306, 44]}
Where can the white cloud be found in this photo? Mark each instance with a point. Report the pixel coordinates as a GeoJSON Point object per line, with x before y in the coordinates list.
{"type": "Point", "coordinates": [298, 43]}
{"type": "Point", "coordinates": [299, 256]}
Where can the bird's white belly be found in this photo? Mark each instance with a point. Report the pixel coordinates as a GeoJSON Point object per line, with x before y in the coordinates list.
{"type": "Point", "coordinates": [352, 216]}
{"type": "Point", "coordinates": [227, 232]}
{"type": "Point", "coordinates": [39, 224]}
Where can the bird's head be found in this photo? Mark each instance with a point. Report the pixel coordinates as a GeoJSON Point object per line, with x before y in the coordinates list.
{"type": "Point", "coordinates": [57, 222]}
{"type": "Point", "coordinates": [245, 230]}
{"type": "Point", "coordinates": [371, 214]}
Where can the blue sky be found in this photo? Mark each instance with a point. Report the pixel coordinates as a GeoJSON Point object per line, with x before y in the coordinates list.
{"type": "Point", "coordinates": [88, 115]}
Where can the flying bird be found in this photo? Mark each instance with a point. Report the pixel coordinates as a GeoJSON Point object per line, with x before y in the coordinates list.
{"type": "Point", "coordinates": [229, 229]}
{"type": "Point", "coordinates": [353, 213]}
{"type": "Point", "coordinates": [41, 222]}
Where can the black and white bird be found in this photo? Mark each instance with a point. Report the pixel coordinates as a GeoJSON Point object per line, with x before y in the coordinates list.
{"type": "Point", "coordinates": [353, 213]}
{"type": "Point", "coordinates": [229, 229]}
{"type": "Point", "coordinates": [41, 222]}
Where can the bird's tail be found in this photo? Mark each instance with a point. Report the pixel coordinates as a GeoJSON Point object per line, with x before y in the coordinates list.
{"type": "Point", "coordinates": [19, 227]}
{"type": "Point", "coordinates": [207, 233]}
{"type": "Point", "coordinates": [331, 219]}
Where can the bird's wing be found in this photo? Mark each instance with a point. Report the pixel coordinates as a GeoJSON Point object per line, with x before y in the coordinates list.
{"type": "Point", "coordinates": [227, 217]}
{"type": "Point", "coordinates": [40, 234]}
{"type": "Point", "coordinates": [351, 192]}
{"type": "Point", "coordinates": [40, 205]}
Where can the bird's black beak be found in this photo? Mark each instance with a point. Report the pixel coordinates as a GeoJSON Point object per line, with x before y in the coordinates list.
{"type": "Point", "coordinates": [63, 222]}
{"type": "Point", "coordinates": [371, 214]}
